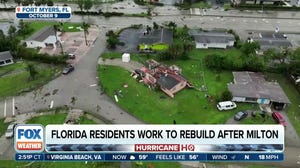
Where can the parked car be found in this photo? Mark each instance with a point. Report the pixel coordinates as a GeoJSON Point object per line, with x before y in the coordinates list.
{"type": "Point", "coordinates": [71, 56]}
{"type": "Point", "coordinates": [258, 112]}
{"type": "Point", "coordinates": [279, 118]}
{"type": "Point", "coordinates": [69, 68]}
{"type": "Point", "coordinates": [240, 115]}
{"type": "Point", "coordinates": [10, 130]}
{"type": "Point", "coordinates": [226, 105]}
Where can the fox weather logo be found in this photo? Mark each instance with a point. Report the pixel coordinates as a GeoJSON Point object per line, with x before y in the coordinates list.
{"type": "Point", "coordinates": [29, 138]}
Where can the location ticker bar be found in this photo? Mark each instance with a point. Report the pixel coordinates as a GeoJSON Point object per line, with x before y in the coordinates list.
{"type": "Point", "coordinates": [101, 157]}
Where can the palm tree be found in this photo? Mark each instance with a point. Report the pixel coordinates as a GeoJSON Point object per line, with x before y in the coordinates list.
{"type": "Point", "coordinates": [32, 71]}
{"type": "Point", "coordinates": [56, 29]}
{"type": "Point", "coordinates": [85, 27]}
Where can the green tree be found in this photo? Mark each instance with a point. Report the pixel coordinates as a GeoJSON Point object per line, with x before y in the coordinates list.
{"type": "Point", "coordinates": [32, 71]}
{"type": "Point", "coordinates": [226, 95]}
{"type": "Point", "coordinates": [27, 2]}
{"type": "Point", "coordinates": [269, 54]}
{"type": "Point", "coordinates": [50, 3]}
{"type": "Point", "coordinates": [149, 11]}
{"type": "Point", "coordinates": [18, 2]}
{"type": "Point", "coordinates": [12, 31]}
{"type": "Point", "coordinates": [3, 42]}
{"type": "Point", "coordinates": [112, 42]}
{"type": "Point", "coordinates": [214, 61]}
{"type": "Point", "coordinates": [88, 4]}
{"type": "Point", "coordinates": [172, 25]}
{"type": "Point", "coordinates": [38, 3]}
{"type": "Point", "coordinates": [163, 55]}
{"type": "Point", "coordinates": [250, 47]}
{"type": "Point", "coordinates": [281, 57]}
{"type": "Point", "coordinates": [295, 62]}
{"type": "Point", "coordinates": [85, 27]}
{"type": "Point", "coordinates": [175, 50]}
{"type": "Point", "coordinates": [155, 26]}
{"type": "Point", "coordinates": [23, 28]}
{"type": "Point", "coordinates": [80, 4]}
{"type": "Point", "coordinates": [254, 63]}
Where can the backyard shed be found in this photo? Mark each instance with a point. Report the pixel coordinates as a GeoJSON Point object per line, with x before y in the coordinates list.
{"type": "Point", "coordinates": [126, 57]}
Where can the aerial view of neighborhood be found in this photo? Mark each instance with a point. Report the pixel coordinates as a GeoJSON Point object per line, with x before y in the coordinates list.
{"type": "Point", "coordinates": [151, 62]}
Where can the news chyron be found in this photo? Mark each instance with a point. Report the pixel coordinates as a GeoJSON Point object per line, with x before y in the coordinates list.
{"type": "Point", "coordinates": [106, 143]}
{"type": "Point", "coordinates": [43, 12]}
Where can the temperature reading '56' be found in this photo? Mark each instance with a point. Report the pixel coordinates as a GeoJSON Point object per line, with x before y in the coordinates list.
{"type": "Point", "coordinates": [193, 157]}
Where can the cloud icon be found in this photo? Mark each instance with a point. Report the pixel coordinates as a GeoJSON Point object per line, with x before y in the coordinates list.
{"type": "Point", "coordinates": [131, 157]}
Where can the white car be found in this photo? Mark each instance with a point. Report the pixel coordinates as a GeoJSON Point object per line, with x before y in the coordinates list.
{"type": "Point", "coordinates": [10, 130]}
{"type": "Point", "coordinates": [226, 105]}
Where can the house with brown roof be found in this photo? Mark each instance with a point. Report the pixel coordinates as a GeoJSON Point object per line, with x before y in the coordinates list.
{"type": "Point", "coordinates": [168, 79]}
{"type": "Point", "coordinates": [44, 38]}
{"type": "Point", "coordinates": [253, 88]}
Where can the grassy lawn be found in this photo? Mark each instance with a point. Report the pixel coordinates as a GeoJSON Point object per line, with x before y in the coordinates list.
{"type": "Point", "coordinates": [189, 106]}
{"type": "Point", "coordinates": [38, 25]}
{"type": "Point", "coordinates": [71, 27]}
{"type": "Point", "coordinates": [293, 109]}
{"type": "Point", "coordinates": [3, 126]}
{"type": "Point", "coordinates": [227, 6]}
{"type": "Point", "coordinates": [11, 163]}
{"type": "Point", "coordinates": [142, 14]}
{"type": "Point", "coordinates": [156, 47]}
{"type": "Point", "coordinates": [58, 118]}
{"type": "Point", "coordinates": [201, 5]}
{"type": "Point", "coordinates": [84, 120]}
{"type": "Point", "coordinates": [15, 78]}
{"type": "Point", "coordinates": [133, 56]}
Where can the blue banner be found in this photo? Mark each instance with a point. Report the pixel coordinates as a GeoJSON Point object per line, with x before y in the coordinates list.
{"type": "Point", "coordinates": [29, 157]}
{"type": "Point", "coordinates": [43, 15]}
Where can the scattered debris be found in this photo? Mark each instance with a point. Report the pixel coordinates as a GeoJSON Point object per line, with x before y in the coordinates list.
{"type": "Point", "coordinates": [73, 99]}
{"type": "Point", "coordinates": [54, 91]}
{"type": "Point", "coordinates": [162, 97]}
{"type": "Point", "coordinates": [116, 98]}
{"type": "Point", "coordinates": [47, 94]}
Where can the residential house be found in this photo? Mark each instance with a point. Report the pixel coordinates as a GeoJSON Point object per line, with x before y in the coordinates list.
{"type": "Point", "coordinates": [212, 39]}
{"type": "Point", "coordinates": [168, 79]}
{"type": "Point", "coordinates": [44, 38]}
{"type": "Point", "coordinates": [6, 58]}
{"type": "Point", "coordinates": [268, 40]}
{"type": "Point", "coordinates": [253, 88]}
